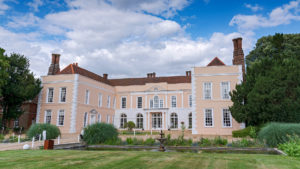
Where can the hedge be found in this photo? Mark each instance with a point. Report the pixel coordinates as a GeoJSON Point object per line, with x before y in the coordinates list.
{"type": "Point", "coordinates": [100, 133]}
{"type": "Point", "coordinates": [52, 131]}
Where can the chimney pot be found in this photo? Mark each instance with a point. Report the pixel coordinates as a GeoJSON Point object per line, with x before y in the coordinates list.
{"type": "Point", "coordinates": [188, 73]}
{"type": "Point", "coordinates": [54, 66]}
{"type": "Point", "coordinates": [153, 75]}
{"type": "Point", "coordinates": [105, 76]}
{"type": "Point", "coordinates": [238, 54]}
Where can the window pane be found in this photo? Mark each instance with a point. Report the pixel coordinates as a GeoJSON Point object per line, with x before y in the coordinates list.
{"type": "Point", "coordinates": [50, 95]}
{"type": "Point", "coordinates": [226, 118]}
{"type": "Point", "coordinates": [173, 101]}
{"type": "Point", "coordinates": [207, 90]}
{"type": "Point", "coordinates": [108, 101]}
{"type": "Point", "coordinates": [100, 100]}
{"type": "Point", "coordinates": [225, 90]}
{"type": "Point", "coordinates": [208, 117]}
{"type": "Point", "coordinates": [190, 121]}
{"type": "Point", "coordinates": [161, 103]}
{"type": "Point", "coordinates": [140, 102]}
{"type": "Point", "coordinates": [63, 94]}
{"type": "Point", "coordinates": [123, 102]}
{"type": "Point", "coordinates": [190, 101]}
{"type": "Point", "coordinates": [48, 116]}
{"type": "Point", "coordinates": [61, 118]}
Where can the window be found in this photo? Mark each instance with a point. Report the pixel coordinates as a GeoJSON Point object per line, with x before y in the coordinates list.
{"type": "Point", "coordinates": [93, 119]}
{"type": "Point", "coordinates": [123, 120]}
{"type": "Point", "coordinates": [63, 92]}
{"type": "Point", "coordinates": [48, 116]}
{"type": "Point", "coordinates": [174, 121]}
{"type": "Point", "coordinates": [123, 103]}
{"type": "Point", "coordinates": [113, 119]}
{"type": "Point", "coordinates": [85, 119]}
{"type": "Point", "coordinates": [161, 103]}
{"type": "Point", "coordinates": [50, 95]}
{"type": "Point", "coordinates": [227, 118]}
{"type": "Point", "coordinates": [100, 99]}
{"type": "Point", "coordinates": [61, 118]}
{"type": "Point", "coordinates": [173, 101]}
{"type": "Point", "coordinates": [114, 102]}
{"type": "Point", "coordinates": [87, 97]}
{"type": "Point", "coordinates": [151, 103]}
{"type": "Point", "coordinates": [190, 121]}
{"type": "Point", "coordinates": [99, 118]}
{"type": "Point", "coordinates": [139, 102]}
{"type": "Point", "coordinates": [156, 102]}
{"type": "Point", "coordinates": [108, 101]}
{"type": "Point", "coordinates": [207, 90]}
{"type": "Point", "coordinates": [139, 121]}
{"type": "Point", "coordinates": [16, 123]}
{"type": "Point", "coordinates": [225, 90]}
{"type": "Point", "coordinates": [107, 118]}
{"type": "Point", "coordinates": [190, 101]}
{"type": "Point", "coordinates": [156, 120]}
{"type": "Point", "coordinates": [208, 118]}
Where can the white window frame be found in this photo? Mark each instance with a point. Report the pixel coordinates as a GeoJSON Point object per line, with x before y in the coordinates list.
{"type": "Point", "coordinates": [190, 114]}
{"type": "Point", "coordinates": [87, 96]}
{"type": "Point", "coordinates": [114, 102]}
{"type": "Point", "coordinates": [100, 99]}
{"type": "Point", "coordinates": [122, 102]}
{"type": "Point", "coordinates": [161, 103]}
{"type": "Point", "coordinates": [108, 101]}
{"type": "Point", "coordinates": [60, 94]}
{"type": "Point", "coordinates": [107, 119]}
{"type": "Point", "coordinates": [211, 86]}
{"type": "Point", "coordinates": [151, 103]}
{"type": "Point", "coordinates": [99, 118]}
{"type": "Point", "coordinates": [222, 91]}
{"type": "Point", "coordinates": [172, 101]}
{"type": "Point", "coordinates": [230, 118]}
{"type": "Point", "coordinates": [212, 115]}
{"type": "Point", "coordinates": [93, 115]}
{"type": "Point", "coordinates": [190, 101]}
{"type": "Point", "coordinates": [137, 102]}
{"type": "Point", "coordinates": [48, 95]}
{"type": "Point", "coordinates": [156, 102]}
{"type": "Point", "coordinates": [45, 118]}
{"type": "Point", "coordinates": [139, 121]}
{"type": "Point", "coordinates": [58, 114]}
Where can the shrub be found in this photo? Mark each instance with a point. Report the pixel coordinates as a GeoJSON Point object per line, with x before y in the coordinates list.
{"type": "Point", "coordinates": [205, 142]}
{"type": "Point", "coordinates": [129, 141]}
{"type": "Point", "coordinates": [218, 141]}
{"type": "Point", "coordinates": [52, 131]}
{"type": "Point", "coordinates": [248, 131]}
{"type": "Point", "coordinates": [277, 133]}
{"type": "Point", "coordinates": [1, 137]}
{"type": "Point", "coordinates": [99, 133]}
{"type": "Point", "coordinates": [243, 143]}
{"type": "Point", "coordinates": [292, 147]}
{"type": "Point", "coordinates": [117, 141]}
{"type": "Point", "coordinates": [149, 141]}
{"type": "Point", "coordinates": [130, 125]}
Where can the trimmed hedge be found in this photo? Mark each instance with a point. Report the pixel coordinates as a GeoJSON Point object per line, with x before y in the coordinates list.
{"type": "Point", "coordinates": [99, 133]}
{"type": "Point", "coordinates": [278, 133]}
{"type": "Point", "coordinates": [52, 131]}
{"type": "Point", "coordinates": [248, 131]}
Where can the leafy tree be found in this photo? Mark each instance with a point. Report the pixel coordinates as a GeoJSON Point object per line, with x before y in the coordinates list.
{"type": "Point", "coordinates": [130, 125]}
{"type": "Point", "coordinates": [20, 86]}
{"type": "Point", "coordinates": [3, 67]}
{"type": "Point", "coordinates": [271, 90]}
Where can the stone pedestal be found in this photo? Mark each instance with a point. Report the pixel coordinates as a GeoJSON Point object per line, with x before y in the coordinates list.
{"type": "Point", "coordinates": [48, 144]}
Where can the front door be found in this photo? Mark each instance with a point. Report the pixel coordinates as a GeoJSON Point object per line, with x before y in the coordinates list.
{"type": "Point", "coordinates": [156, 120]}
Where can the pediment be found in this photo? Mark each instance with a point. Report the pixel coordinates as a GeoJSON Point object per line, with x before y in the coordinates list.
{"type": "Point", "coordinates": [155, 88]}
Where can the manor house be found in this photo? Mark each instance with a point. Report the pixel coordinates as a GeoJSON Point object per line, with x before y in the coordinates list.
{"type": "Point", "coordinates": [74, 97]}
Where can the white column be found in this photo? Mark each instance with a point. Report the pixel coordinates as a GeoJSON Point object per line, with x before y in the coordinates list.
{"type": "Point", "coordinates": [146, 101]}
{"type": "Point", "coordinates": [148, 115]}
{"type": "Point", "coordinates": [166, 100]}
{"type": "Point", "coordinates": [182, 99]}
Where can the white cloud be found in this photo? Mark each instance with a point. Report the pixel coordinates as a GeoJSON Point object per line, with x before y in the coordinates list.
{"type": "Point", "coordinates": [3, 7]}
{"type": "Point", "coordinates": [35, 4]}
{"type": "Point", "coordinates": [254, 8]}
{"type": "Point", "coordinates": [281, 15]}
{"type": "Point", "coordinates": [28, 20]}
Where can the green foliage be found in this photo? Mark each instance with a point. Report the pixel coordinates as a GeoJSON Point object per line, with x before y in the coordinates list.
{"type": "Point", "coordinates": [52, 131]}
{"type": "Point", "coordinates": [220, 141]}
{"type": "Point", "coordinates": [217, 141]}
{"type": "Point", "coordinates": [99, 133]}
{"type": "Point", "coordinates": [130, 125]}
{"type": "Point", "coordinates": [278, 133]}
{"type": "Point", "coordinates": [1, 137]}
{"type": "Point", "coordinates": [149, 142]}
{"type": "Point", "coordinates": [17, 84]}
{"type": "Point", "coordinates": [271, 88]}
{"type": "Point", "coordinates": [244, 143]}
{"type": "Point", "coordinates": [248, 131]}
{"type": "Point", "coordinates": [116, 141]}
{"type": "Point", "coordinates": [180, 141]}
{"type": "Point", "coordinates": [292, 147]}
{"type": "Point", "coordinates": [205, 142]}
{"type": "Point", "coordinates": [126, 132]}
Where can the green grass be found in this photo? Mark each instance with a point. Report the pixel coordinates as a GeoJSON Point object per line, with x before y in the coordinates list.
{"type": "Point", "coordinates": [140, 159]}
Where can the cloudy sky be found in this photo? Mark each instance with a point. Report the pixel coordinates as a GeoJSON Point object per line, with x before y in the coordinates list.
{"type": "Point", "coordinates": [128, 38]}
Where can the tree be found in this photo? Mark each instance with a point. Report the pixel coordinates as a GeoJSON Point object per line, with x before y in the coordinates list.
{"type": "Point", "coordinates": [3, 68]}
{"type": "Point", "coordinates": [130, 125]}
{"type": "Point", "coordinates": [20, 86]}
{"type": "Point", "coordinates": [271, 90]}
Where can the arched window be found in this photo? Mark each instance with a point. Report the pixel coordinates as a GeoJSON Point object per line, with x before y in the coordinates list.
{"type": "Point", "coordinates": [139, 121]}
{"type": "Point", "coordinates": [156, 102]}
{"type": "Point", "coordinates": [123, 120]}
{"type": "Point", "coordinates": [190, 121]}
{"type": "Point", "coordinates": [174, 121]}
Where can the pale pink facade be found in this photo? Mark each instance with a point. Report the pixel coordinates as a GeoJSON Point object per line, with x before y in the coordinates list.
{"type": "Point", "coordinates": [74, 98]}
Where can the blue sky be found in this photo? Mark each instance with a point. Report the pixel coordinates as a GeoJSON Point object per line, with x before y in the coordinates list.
{"type": "Point", "coordinates": [132, 37]}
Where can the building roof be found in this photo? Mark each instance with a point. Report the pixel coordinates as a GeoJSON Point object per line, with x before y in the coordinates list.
{"type": "Point", "coordinates": [216, 62]}
{"type": "Point", "coordinates": [75, 69]}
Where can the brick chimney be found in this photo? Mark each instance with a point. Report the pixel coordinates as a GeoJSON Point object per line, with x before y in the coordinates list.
{"type": "Point", "coordinates": [188, 73]}
{"type": "Point", "coordinates": [238, 54]}
{"type": "Point", "coordinates": [153, 75]}
{"type": "Point", "coordinates": [54, 66]}
{"type": "Point", "coordinates": [105, 76]}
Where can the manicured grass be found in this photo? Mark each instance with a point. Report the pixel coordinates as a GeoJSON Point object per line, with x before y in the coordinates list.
{"type": "Point", "coordinates": [140, 159]}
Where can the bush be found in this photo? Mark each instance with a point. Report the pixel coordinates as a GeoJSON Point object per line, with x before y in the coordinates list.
{"type": "Point", "coordinates": [1, 137]}
{"type": "Point", "coordinates": [248, 131]}
{"type": "Point", "coordinates": [218, 141]}
{"type": "Point", "coordinates": [52, 131]}
{"type": "Point", "coordinates": [130, 125]}
{"type": "Point", "coordinates": [149, 142]}
{"type": "Point", "coordinates": [243, 143]}
{"type": "Point", "coordinates": [205, 142]}
{"type": "Point", "coordinates": [117, 141]}
{"type": "Point", "coordinates": [292, 147]}
{"type": "Point", "coordinates": [278, 133]}
{"type": "Point", "coordinates": [99, 133]}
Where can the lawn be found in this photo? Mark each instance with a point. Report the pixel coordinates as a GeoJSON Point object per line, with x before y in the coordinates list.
{"type": "Point", "coordinates": [140, 159]}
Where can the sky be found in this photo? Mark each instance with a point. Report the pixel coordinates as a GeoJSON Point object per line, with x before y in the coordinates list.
{"type": "Point", "coordinates": [130, 38]}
